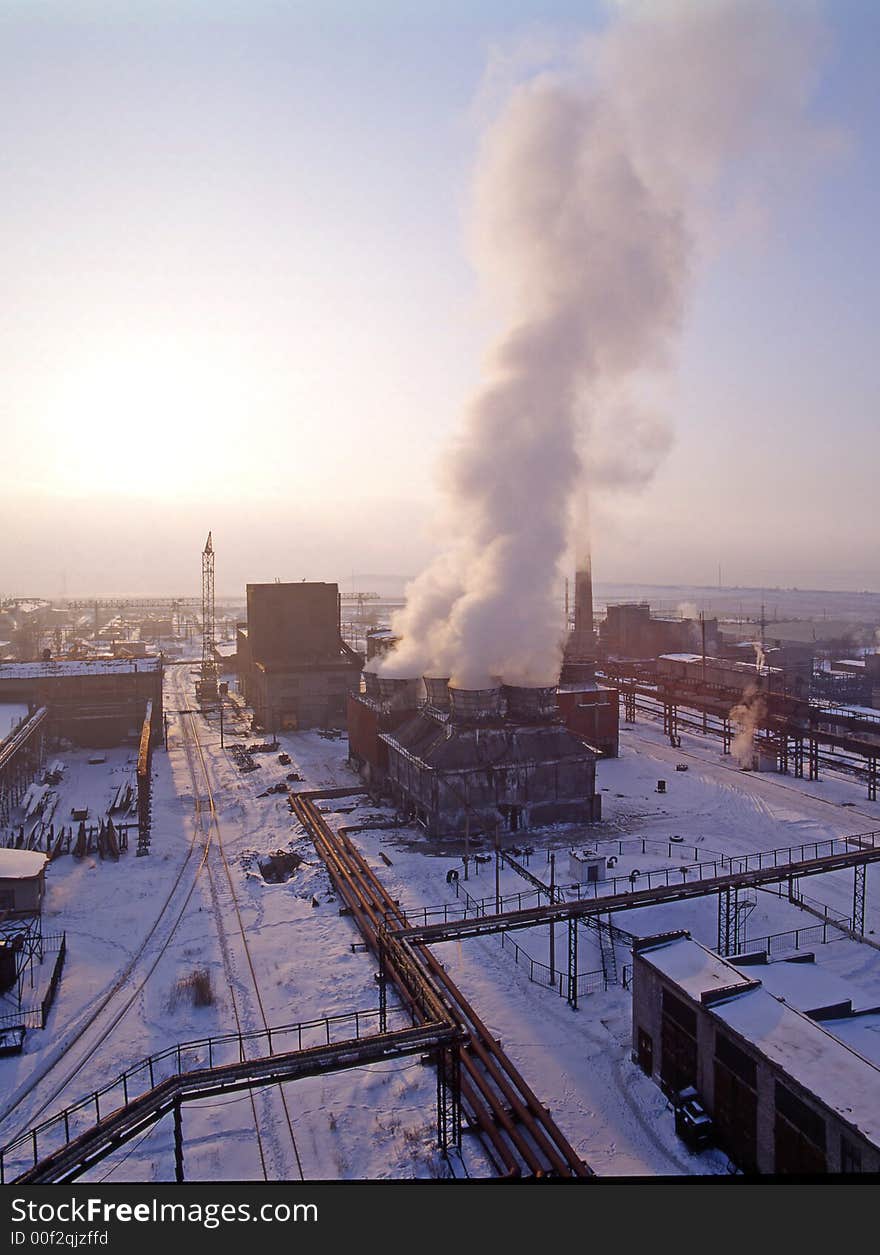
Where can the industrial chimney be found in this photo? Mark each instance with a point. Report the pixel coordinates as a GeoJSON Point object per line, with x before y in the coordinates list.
{"type": "Point", "coordinates": [583, 605]}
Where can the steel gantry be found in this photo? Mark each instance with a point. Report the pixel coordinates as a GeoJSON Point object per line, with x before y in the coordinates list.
{"type": "Point", "coordinates": [746, 871]}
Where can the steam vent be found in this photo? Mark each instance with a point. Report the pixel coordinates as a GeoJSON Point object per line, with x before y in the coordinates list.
{"type": "Point", "coordinates": [459, 759]}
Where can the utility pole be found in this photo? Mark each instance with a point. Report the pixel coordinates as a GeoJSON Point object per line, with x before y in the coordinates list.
{"type": "Point", "coordinates": [467, 843]}
{"type": "Point", "coordinates": [498, 868]}
{"type": "Point", "coordinates": [703, 635]}
{"type": "Point", "coordinates": [221, 723]}
{"type": "Point", "coordinates": [552, 926]}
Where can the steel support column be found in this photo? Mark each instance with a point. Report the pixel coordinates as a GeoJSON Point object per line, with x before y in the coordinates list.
{"type": "Point", "coordinates": [783, 753]}
{"type": "Point", "coordinates": [448, 1098]}
{"type": "Point", "coordinates": [799, 757]}
{"type": "Point", "coordinates": [814, 759]}
{"type": "Point", "coordinates": [728, 922]}
{"type": "Point", "coordinates": [872, 779]}
{"type": "Point", "coordinates": [858, 911]}
{"type": "Point", "coordinates": [572, 964]}
{"type": "Point", "coordinates": [178, 1142]}
{"type": "Point", "coordinates": [383, 988]}
{"type": "Point", "coordinates": [725, 735]}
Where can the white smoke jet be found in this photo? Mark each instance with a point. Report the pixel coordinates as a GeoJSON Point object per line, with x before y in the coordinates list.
{"type": "Point", "coordinates": [747, 716]}
{"type": "Point", "coordinates": [593, 189]}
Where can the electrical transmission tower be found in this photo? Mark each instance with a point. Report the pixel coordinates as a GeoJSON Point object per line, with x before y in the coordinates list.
{"type": "Point", "coordinates": [207, 686]}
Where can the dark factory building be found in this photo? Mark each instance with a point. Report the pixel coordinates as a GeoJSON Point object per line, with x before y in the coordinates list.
{"type": "Point", "coordinates": [473, 759]}
{"type": "Point", "coordinates": [295, 669]}
{"type": "Point", "coordinates": [629, 630]}
{"type": "Point", "coordinates": [96, 702]}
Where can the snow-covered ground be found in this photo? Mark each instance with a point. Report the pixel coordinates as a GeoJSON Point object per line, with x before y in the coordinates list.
{"type": "Point", "coordinates": [139, 929]}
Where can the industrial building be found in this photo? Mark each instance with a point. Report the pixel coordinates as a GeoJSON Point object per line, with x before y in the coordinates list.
{"type": "Point", "coordinates": [472, 760]}
{"type": "Point", "coordinates": [629, 630]}
{"type": "Point", "coordinates": [22, 883]}
{"type": "Point", "coordinates": [294, 667]}
{"type": "Point", "coordinates": [90, 702]}
{"type": "Point", "coordinates": [786, 1068]}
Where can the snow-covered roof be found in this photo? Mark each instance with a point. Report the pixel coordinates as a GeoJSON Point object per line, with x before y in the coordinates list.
{"type": "Point", "coordinates": [69, 666]}
{"type": "Point", "coordinates": [860, 1032]}
{"type": "Point", "coordinates": [811, 1055]}
{"type": "Point", "coordinates": [21, 864]}
{"type": "Point", "coordinates": [683, 657]}
{"type": "Point", "coordinates": [806, 986]}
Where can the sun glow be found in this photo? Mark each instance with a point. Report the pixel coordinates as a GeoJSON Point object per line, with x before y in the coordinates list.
{"type": "Point", "coordinates": [149, 419]}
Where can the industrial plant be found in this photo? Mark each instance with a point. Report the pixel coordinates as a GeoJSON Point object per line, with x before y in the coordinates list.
{"type": "Point", "coordinates": [389, 789]}
{"type": "Point", "coordinates": [562, 820]}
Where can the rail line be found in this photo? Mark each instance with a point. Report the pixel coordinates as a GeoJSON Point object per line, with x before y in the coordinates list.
{"type": "Point", "coordinates": [122, 982]}
{"type": "Point", "coordinates": [215, 837]}
{"type": "Point", "coordinates": [519, 1131]}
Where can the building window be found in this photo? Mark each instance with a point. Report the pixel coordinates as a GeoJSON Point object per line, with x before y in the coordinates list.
{"type": "Point", "coordinates": [678, 1043]}
{"type": "Point", "coordinates": [800, 1135]}
{"type": "Point", "coordinates": [736, 1103]}
{"type": "Point", "coordinates": [850, 1157]}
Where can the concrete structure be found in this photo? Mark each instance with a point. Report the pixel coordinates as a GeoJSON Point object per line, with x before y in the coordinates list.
{"type": "Point", "coordinates": [22, 882]}
{"type": "Point", "coordinates": [91, 702]}
{"type": "Point", "coordinates": [778, 1055]}
{"type": "Point", "coordinates": [295, 669]}
{"type": "Point", "coordinates": [481, 760]}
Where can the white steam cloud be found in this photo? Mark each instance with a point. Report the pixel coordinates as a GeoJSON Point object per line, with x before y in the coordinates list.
{"type": "Point", "coordinates": [595, 185]}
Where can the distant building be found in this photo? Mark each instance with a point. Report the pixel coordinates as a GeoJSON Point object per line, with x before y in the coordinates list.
{"type": "Point", "coordinates": [294, 668]}
{"type": "Point", "coordinates": [784, 1065]}
{"type": "Point", "coordinates": [629, 630]}
{"type": "Point", "coordinates": [98, 702]}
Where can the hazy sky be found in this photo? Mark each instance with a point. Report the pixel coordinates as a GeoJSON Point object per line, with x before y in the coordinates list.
{"type": "Point", "coordinates": [239, 293]}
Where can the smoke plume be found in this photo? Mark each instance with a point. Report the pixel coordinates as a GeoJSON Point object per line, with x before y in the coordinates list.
{"type": "Point", "coordinates": [595, 186]}
{"type": "Point", "coordinates": [747, 715]}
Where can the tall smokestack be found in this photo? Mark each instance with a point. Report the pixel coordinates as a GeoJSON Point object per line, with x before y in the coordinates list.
{"type": "Point", "coordinates": [583, 607]}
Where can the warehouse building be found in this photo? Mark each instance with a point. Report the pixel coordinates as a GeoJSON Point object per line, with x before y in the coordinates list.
{"type": "Point", "coordinates": [96, 702]}
{"type": "Point", "coordinates": [782, 1061]}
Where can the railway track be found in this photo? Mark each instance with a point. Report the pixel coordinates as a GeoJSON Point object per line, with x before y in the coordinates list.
{"type": "Point", "coordinates": [100, 1022]}
{"type": "Point", "coordinates": [517, 1129]}
{"type": "Point", "coordinates": [206, 812]}
{"type": "Point", "coordinates": [66, 1062]}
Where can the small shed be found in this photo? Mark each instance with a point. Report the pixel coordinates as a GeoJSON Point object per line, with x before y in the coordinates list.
{"type": "Point", "coordinates": [586, 866]}
{"type": "Point", "coordinates": [22, 882]}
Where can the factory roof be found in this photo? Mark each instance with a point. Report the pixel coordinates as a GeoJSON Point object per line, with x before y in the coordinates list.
{"type": "Point", "coordinates": [450, 746]}
{"type": "Point", "coordinates": [860, 1032]}
{"type": "Point", "coordinates": [21, 864]}
{"type": "Point", "coordinates": [804, 985]}
{"type": "Point", "coordinates": [693, 968]}
{"type": "Point", "coordinates": [84, 666]}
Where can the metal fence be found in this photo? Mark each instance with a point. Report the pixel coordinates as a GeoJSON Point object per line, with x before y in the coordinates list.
{"type": "Point", "coordinates": [207, 1052]}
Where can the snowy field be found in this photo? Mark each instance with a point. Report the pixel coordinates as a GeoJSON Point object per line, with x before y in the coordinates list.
{"type": "Point", "coordinates": [144, 933]}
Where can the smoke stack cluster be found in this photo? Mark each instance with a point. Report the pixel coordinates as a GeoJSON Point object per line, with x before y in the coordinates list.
{"type": "Point", "coordinates": [593, 190]}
